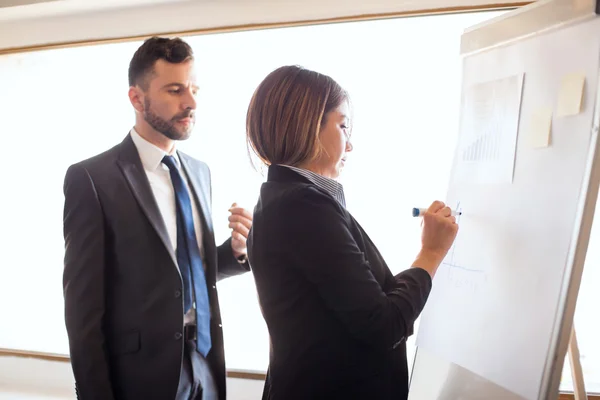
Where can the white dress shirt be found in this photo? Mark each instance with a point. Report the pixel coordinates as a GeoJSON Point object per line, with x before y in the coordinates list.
{"type": "Point", "coordinates": [160, 182]}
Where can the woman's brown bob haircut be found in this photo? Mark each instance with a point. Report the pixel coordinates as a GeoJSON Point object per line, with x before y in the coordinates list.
{"type": "Point", "coordinates": [286, 113]}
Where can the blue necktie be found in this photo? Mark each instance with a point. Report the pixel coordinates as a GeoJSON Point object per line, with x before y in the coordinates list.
{"type": "Point", "coordinates": [189, 260]}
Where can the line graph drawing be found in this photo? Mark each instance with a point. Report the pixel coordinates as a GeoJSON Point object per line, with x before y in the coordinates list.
{"type": "Point", "coordinates": [463, 276]}
{"type": "Point", "coordinates": [451, 262]}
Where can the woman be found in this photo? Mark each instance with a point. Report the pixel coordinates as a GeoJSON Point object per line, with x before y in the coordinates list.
{"type": "Point", "coordinates": [337, 317]}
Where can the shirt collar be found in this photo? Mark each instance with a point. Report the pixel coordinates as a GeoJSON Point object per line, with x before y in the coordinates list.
{"type": "Point", "coordinates": [333, 187]}
{"type": "Point", "coordinates": [150, 154]}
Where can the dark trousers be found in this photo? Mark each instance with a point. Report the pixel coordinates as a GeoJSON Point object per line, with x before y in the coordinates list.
{"type": "Point", "coordinates": [196, 381]}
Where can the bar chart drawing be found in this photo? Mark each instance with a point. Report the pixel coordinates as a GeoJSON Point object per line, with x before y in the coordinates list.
{"type": "Point", "coordinates": [488, 131]}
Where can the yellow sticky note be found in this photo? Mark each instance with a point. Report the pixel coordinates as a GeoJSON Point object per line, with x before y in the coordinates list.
{"type": "Point", "coordinates": [570, 96]}
{"type": "Point", "coordinates": [540, 127]}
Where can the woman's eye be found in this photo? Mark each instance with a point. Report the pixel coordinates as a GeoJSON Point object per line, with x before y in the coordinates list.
{"type": "Point", "coordinates": [346, 128]}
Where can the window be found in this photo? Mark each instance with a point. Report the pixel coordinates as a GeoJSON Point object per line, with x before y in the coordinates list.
{"type": "Point", "coordinates": [61, 106]}
{"type": "Point", "coordinates": [394, 81]}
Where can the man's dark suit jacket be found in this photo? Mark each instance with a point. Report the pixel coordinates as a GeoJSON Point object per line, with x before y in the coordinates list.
{"type": "Point", "coordinates": [122, 288]}
{"type": "Point", "coordinates": [337, 317]}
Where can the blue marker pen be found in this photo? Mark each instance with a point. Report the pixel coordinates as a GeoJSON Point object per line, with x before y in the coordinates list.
{"type": "Point", "coordinates": [417, 212]}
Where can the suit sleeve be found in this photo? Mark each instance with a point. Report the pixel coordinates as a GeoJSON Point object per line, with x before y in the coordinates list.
{"type": "Point", "coordinates": [404, 280]}
{"type": "Point", "coordinates": [84, 285]}
{"type": "Point", "coordinates": [326, 253]}
{"type": "Point", "coordinates": [228, 264]}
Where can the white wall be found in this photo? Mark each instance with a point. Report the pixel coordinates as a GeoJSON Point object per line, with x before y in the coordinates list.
{"type": "Point", "coordinates": [34, 378]}
{"type": "Point", "coordinates": [60, 22]}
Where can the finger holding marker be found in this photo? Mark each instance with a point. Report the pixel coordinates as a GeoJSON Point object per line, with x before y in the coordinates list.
{"type": "Point", "coordinates": [434, 207]}
{"type": "Point", "coordinates": [437, 236]}
{"type": "Point", "coordinates": [445, 211]}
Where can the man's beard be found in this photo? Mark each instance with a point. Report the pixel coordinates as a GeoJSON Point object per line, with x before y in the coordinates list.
{"type": "Point", "coordinates": [168, 128]}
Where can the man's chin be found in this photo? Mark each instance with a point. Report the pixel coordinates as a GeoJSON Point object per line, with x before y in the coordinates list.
{"type": "Point", "coordinates": [185, 133]}
{"type": "Point", "coordinates": [184, 136]}
{"type": "Point", "coordinates": [180, 136]}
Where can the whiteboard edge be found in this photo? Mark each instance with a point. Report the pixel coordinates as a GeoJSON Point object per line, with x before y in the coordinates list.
{"type": "Point", "coordinates": [531, 20]}
{"type": "Point", "coordinates": [550, 383]}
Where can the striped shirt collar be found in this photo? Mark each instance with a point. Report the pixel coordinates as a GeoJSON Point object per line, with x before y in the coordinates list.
{"type": "Point", "coordinates": [334, 188]}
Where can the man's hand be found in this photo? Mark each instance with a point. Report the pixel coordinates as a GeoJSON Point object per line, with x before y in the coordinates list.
{"type": "Point", "coordinates": [240, 221]}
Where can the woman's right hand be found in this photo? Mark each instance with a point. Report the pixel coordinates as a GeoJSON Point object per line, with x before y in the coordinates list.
{"type": "Point", "coordinates": [439, 232]}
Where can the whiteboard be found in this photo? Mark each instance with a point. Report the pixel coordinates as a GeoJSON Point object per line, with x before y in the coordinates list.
{"type": "Point", "coordinates": [498, 319]}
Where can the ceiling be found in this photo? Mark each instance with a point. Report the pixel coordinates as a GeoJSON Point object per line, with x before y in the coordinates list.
{"type": "Point", "coordinates": [23, 9]}
{"type": "Point", "coordinates": [30, 24]}
{"type": "Point", "coordinates": [11, 10]}
{"type": "Point", "coordinates": [15, 3]}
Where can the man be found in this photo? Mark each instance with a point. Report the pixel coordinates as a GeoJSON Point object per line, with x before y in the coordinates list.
{"type": "Point", "coordinates": [141, 264]}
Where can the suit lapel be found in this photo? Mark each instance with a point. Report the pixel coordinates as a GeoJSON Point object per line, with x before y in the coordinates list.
{"type": "Point", "coordinates": [131, 165]}
{"type": "Point", "coordinates": [200, 189]}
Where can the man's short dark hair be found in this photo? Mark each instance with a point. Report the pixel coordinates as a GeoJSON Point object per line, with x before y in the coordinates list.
{"type": "Point", "coordinates": [174, 51]}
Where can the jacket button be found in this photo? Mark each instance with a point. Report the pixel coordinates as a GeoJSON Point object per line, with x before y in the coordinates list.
{"type": "Point", "coordinates": [214, 287]}
{"type": "Point", "coordinates": [178, 336]}
{"type": "Point", "coordinates": [177, 293]}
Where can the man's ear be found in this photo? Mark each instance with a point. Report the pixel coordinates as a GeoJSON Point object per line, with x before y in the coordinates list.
{"type": "Point", "coordinates": [136, 96]}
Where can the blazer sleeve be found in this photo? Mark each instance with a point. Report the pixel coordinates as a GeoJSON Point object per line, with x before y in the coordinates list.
{"type": "Point", "coordinates": [405, 279]}
{"type": "Point", "coordinates": [228, 264]}
{"type": "Point", "coordinates": [84, 285]}
{"type": "Point", "coordinates": [321, 243]}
